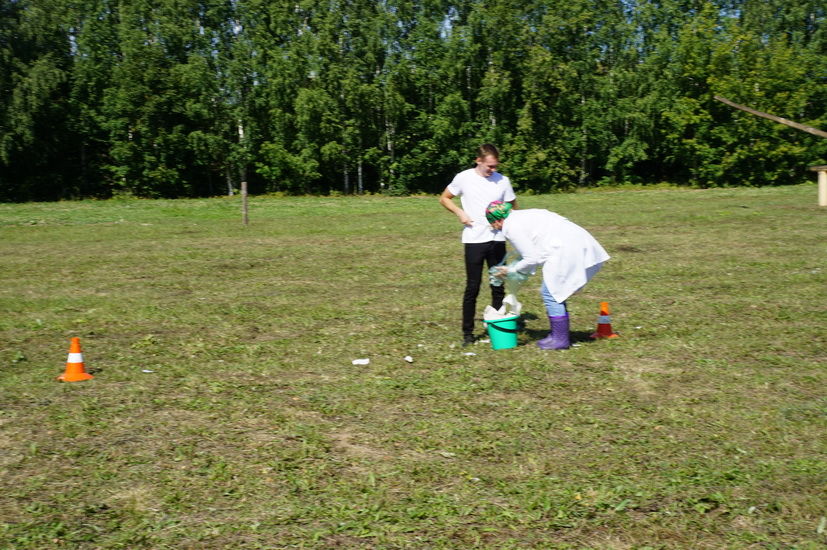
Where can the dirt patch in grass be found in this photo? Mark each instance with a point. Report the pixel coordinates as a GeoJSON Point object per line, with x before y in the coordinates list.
{"type": "Point", "coordinates": [345, 441]}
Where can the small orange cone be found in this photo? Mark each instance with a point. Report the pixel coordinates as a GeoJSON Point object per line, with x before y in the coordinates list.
{"type": "Point", "coordinates": [604, 323]}
{"type": "Point", "coordinates": [75, 372]}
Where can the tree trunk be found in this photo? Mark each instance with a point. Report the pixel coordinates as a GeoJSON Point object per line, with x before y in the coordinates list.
{"type": "Point", "coordinates": [584, 130]}
{"type": "Point", "coordinates": [360, 187]}
{"type": "Point", "coordinates": [345, 180]}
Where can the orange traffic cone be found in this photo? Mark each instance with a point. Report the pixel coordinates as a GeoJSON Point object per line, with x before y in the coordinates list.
{"type": "Point", "coordinates": [74, 364]}
{"type": "Point", "coordinates": [604, 323]}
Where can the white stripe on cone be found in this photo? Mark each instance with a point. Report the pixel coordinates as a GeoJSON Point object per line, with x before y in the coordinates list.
{"type": "Point", "coordinates": [75, 358]}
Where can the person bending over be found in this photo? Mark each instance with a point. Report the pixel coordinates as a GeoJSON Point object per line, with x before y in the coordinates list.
{"type": "Point", "coordinates": [567, 253]}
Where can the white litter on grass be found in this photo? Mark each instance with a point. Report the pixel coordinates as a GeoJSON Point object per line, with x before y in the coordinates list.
{"type": "Point", "coordinates": [409, 359]}
{"type": "Point", "coordinates": [469, 353]}
{"type": "Point", "coordinates": [361, 361]}
{"type": "Point", "coordinates": [147, 370]}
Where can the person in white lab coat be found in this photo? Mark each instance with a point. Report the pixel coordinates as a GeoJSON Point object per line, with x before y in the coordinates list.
{"type": "Point", "coordinates": [568, 254]}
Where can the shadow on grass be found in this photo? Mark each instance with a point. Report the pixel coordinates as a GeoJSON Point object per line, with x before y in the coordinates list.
{"type": "Point", "coordinates": [576, 336]}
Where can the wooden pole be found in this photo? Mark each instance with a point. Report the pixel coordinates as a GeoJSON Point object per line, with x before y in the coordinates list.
{"type": "Point", "coordinates": [796, 125]}
{"type": "Point", "coordinates": [822, 188]}
{"type": "Point", "coordinates": [822, 170]}
{"type": "Point", "coordinates": [822, 184]}
{"type": "Point", "coordinates": [244, 211]}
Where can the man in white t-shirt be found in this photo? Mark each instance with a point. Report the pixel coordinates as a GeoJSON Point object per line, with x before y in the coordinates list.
{"type": "Point", "coordinates": [477, 187]}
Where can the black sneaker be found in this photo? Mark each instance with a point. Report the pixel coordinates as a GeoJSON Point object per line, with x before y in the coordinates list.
{"type": "Point", "coordinates": [468, 339]}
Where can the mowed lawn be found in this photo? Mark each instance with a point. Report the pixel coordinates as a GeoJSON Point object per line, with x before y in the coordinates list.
{"type": "Point", "coordinates": [226, 412]}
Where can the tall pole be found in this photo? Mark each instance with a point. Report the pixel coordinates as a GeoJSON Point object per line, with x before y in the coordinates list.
{"type": "Point", "coordinates": [822, 183]}
{"type": "Point", "coordinates": [244, 211]}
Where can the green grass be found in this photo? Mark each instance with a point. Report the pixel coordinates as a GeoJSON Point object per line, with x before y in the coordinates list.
{"type": "Point", "coordinates": [702, 427]}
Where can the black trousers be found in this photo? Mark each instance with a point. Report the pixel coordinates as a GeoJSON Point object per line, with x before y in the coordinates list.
{"type": "Point", "coordinates": [476, 254]}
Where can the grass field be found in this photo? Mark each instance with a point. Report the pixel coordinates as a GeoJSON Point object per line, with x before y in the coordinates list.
{"type": "Point", "coordinates": [702, 427]}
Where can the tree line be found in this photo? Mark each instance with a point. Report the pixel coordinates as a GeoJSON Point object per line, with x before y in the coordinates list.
{"type": "Point", "coordinates": [171, 98]}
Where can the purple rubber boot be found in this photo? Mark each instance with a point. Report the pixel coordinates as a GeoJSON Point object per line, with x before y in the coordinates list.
{"type": "Point", "coordinates": [558, 338]}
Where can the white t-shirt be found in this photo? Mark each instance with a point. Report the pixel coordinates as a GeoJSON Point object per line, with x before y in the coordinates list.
{"type": "Point", "coordinates": [476, 193]}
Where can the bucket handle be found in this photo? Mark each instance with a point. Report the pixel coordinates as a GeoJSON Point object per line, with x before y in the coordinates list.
{"type": "Point", "coordinates": [503, 329]}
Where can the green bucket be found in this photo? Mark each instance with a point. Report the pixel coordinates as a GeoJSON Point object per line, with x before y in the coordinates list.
{"type": "Point", "coordinates": [503, 332]}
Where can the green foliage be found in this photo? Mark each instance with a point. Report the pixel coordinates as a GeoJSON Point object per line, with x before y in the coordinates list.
{"type": "Point", "coordinates": [187, 98]}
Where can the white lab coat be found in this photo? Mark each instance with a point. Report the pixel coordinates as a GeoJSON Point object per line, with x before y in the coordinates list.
{"type": "Point", "coordinates": [570, 256]}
